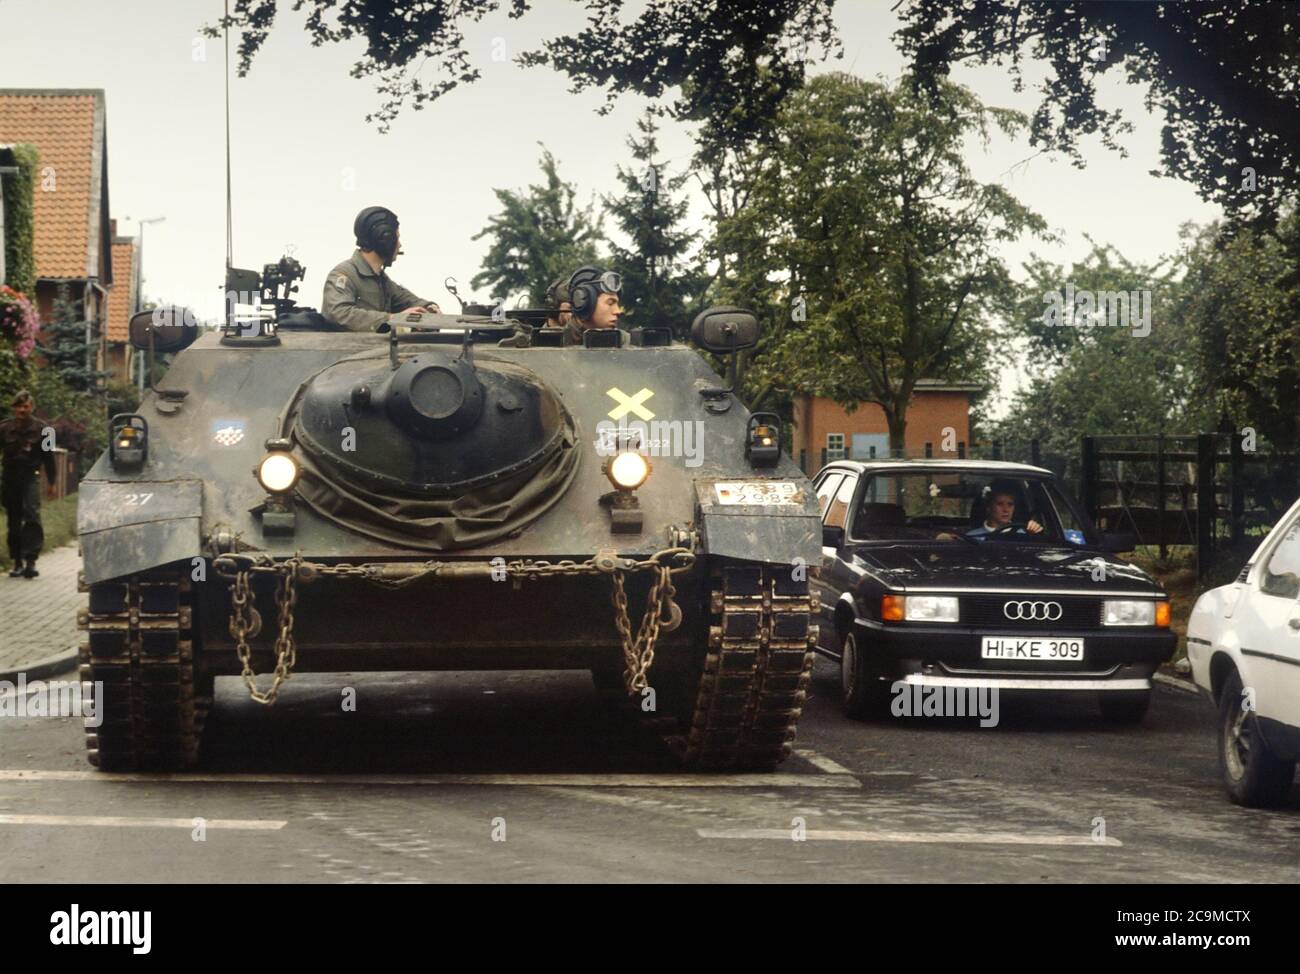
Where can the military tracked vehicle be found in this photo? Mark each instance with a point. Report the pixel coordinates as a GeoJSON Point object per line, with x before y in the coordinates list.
{"type": "Point", "coordinates": [460, 491]}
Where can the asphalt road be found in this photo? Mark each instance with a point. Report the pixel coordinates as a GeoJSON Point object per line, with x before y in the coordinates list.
{"type": "Point", "coordinates": [522, 777]}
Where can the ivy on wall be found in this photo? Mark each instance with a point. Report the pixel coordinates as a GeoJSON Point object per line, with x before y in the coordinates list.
{"type": "Point", "coordinates": [20, 260]}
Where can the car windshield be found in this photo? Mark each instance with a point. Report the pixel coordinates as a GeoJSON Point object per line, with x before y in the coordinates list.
{"type": "Point", "coordinates": [965, 507]}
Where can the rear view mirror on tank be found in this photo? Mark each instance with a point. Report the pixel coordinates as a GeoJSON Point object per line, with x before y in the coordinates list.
{"type": "Point", "coordinates": [723, 330]}
{"type": "Point", "coordinates": [172, 329]}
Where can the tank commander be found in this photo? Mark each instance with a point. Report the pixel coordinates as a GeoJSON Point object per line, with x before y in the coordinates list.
{"type": "Point", "coordinates": [359, 296]}
{"type": "Point", "coordinates": [20, 484]}
{"type": "Point", "coordinates": [593, 298]}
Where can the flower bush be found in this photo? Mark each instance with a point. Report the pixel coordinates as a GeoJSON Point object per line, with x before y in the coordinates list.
{"type": "Point", "coordinates": [19, 321]}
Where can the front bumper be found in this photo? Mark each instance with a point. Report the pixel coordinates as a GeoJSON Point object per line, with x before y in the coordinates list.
{"type": "Point", "coordinates": [1104, 684]}
{"type": "Point", "coordinates": [1114, 660]}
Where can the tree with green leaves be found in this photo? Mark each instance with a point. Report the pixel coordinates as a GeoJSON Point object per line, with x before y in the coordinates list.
{"type": "Point", "coordinates": [540, 234]}
{"type": "Point", "coordinates": [65, 347]}
{"type": "Point", "coordinates": [662, 283]}
{"type": "Point", "coordinates": [1088, 375]}
{"type": "Point", "coordinates": [1224, 72]}
{"type": "Point", "coordinates": [1240, 303]}
{"type": "Point", "coordinates": [872, 247]}
{"type": "Point", "coordinates": [731, 62]}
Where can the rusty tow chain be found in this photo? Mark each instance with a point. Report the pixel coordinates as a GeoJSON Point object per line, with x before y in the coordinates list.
{"type": "Point", "coordinates": [662, 613]}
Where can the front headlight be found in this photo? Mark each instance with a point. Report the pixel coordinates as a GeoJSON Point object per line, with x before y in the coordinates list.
{"type": "Point", "coordinates": [1129, 612]}
{"type": "Point", "coordinates": [278, 472]}
{"type": "Point", "coordinates": [931, 608]}
{"type": "Point", "coordinates": [628, 471]}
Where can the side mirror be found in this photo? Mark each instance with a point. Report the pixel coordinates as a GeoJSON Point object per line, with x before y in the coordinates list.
{"type": "Point", "coordinates": [832, 536]}
{"type": "Point", "coordinates": [1119, 542]}
{"type": "Point", "coordinates": [722, 330]}
{"type": "Point", "coordinates": [166, 329]}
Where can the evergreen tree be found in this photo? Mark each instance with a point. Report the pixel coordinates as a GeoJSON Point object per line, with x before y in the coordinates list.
{"type": "Point", "coordinates": [65, 346]}
{"type": "Point", "coordinates": [661, 284]}
{"type": "Point", "coordinates": [539, 235]}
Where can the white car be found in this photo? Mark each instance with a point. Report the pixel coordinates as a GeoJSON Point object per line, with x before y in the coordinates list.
{"type": "Point", "coordinates": [1243, 641]}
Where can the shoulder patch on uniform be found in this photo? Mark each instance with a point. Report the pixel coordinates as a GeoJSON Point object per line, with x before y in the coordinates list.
{"type": "Point", "coordinates": [340, 281]}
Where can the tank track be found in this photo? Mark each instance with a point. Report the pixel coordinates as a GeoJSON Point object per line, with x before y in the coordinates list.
{"type": "Point", "coordinates": [139, 645]}
{"type": "Point", "coordinates": [757, 670]}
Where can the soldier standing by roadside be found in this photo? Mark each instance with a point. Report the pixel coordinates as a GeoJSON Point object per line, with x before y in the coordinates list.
{"type": "Point", "coordinates": [20, 484]}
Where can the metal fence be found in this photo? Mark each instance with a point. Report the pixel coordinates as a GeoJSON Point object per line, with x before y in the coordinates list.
{"type": "Point", "coordinates": [1200, 489]}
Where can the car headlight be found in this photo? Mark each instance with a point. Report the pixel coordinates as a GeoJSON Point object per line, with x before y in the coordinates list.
{"type": "Point", "coordinates": [919, 608]}
{"type": "Point", "coordinates": [1131, 612]}
{"type": "Point", "coordinates": [931, 608]}
{"type": "Point", "coordinates": [278, 472]}
{"type": "Point", "coordinates": [628, 471]}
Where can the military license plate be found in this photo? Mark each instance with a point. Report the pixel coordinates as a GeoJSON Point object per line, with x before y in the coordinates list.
{"type": "Point", "coordinates": [1015, 648]}
{"type": "Point", "coordinates": [758, 492]}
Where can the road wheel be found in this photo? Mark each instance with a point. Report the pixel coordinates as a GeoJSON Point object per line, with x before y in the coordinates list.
{"type": "Point", "coordinates": [1125, 706]}
{"type": "Point", "coordinates": [1253, 775]}
{"type": "Point", "coordinates": [862, 693]}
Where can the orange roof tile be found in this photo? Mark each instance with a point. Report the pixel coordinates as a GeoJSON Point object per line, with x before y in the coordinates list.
{"type": "Point", "coordinates": [122, 295]}
{"type": "Point", "coordinates": [65, 127]}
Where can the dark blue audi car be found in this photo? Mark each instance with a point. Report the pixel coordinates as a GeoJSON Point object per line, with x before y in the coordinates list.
{"type": "Point", "coordinates": [980, 575]}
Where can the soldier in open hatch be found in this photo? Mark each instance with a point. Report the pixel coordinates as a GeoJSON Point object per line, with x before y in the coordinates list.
{"type": "Point", "coordinates": [557, 302]}
{"type": "Point", "coordinates": [20, 484]}
{"type": "Point", "coordinates": [358, 294]}
{"type": "Point", "coordinates": [593, 296]}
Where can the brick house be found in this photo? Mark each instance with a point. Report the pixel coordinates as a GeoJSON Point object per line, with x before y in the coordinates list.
{"type": "Point", "coordinates": [72, 233]}
{"type": "Point", "coordinates": [824, 431]}
{"type": "Point", "coordinates": [124, 300]}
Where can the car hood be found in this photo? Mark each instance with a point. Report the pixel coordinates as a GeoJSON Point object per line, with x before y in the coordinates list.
{"type": "Point", "coordinates": [999, 566]}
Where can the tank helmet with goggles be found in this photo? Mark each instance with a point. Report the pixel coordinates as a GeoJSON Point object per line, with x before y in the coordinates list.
{"type": "Point", "coordinates": [587, 284]}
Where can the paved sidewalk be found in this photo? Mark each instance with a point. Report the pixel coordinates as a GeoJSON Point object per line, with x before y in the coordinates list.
{"type": "Point", "coordinates": [38, 616]}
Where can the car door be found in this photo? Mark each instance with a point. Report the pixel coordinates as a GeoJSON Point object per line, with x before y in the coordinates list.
{"type": "Point", "coordinates": [1268, 628]}
{"type": "Point", "coordinates": [835, 508]}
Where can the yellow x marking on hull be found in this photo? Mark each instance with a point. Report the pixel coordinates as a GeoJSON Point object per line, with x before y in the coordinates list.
{"type": "Point", "coordinates": [629, 404]}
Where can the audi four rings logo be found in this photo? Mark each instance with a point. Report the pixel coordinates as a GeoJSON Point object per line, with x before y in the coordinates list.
{"type": "Point", "coordinates": [1033, 611]}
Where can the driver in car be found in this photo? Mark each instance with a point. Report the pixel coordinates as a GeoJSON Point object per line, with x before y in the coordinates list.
{"type": "Point", "coordinates": [999, 513]}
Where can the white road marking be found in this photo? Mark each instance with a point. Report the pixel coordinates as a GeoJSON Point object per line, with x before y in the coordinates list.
{"type": "Point", "coordinates": [825, 763]}
{"type": "Point", "coordinates": [511, 780]}
{"type": "Point", "coordinates": [115, 821]}
{"type": "Point", "coordinates": [967, 838]}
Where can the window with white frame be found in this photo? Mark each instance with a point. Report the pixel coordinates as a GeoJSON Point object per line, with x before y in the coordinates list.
{"type": "Point", "coordinates": [834, 446]}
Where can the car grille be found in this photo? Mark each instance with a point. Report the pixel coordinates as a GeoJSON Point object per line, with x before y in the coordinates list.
{"type": "Point", "coordinates": [1077, 612]}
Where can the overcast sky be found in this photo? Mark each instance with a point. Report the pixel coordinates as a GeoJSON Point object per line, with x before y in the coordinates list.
{"type": "Point", "coordinates": [305, 161]}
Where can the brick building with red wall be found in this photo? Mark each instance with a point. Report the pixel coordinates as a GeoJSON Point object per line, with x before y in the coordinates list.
{"type": "Point", "coordinates": [824, 431]}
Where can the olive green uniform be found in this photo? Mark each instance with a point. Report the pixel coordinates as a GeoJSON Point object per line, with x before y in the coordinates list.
{"type": "Point", "coordinates": [20, 486]}
{"type": "Point", "coordinates": [361, 300]}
